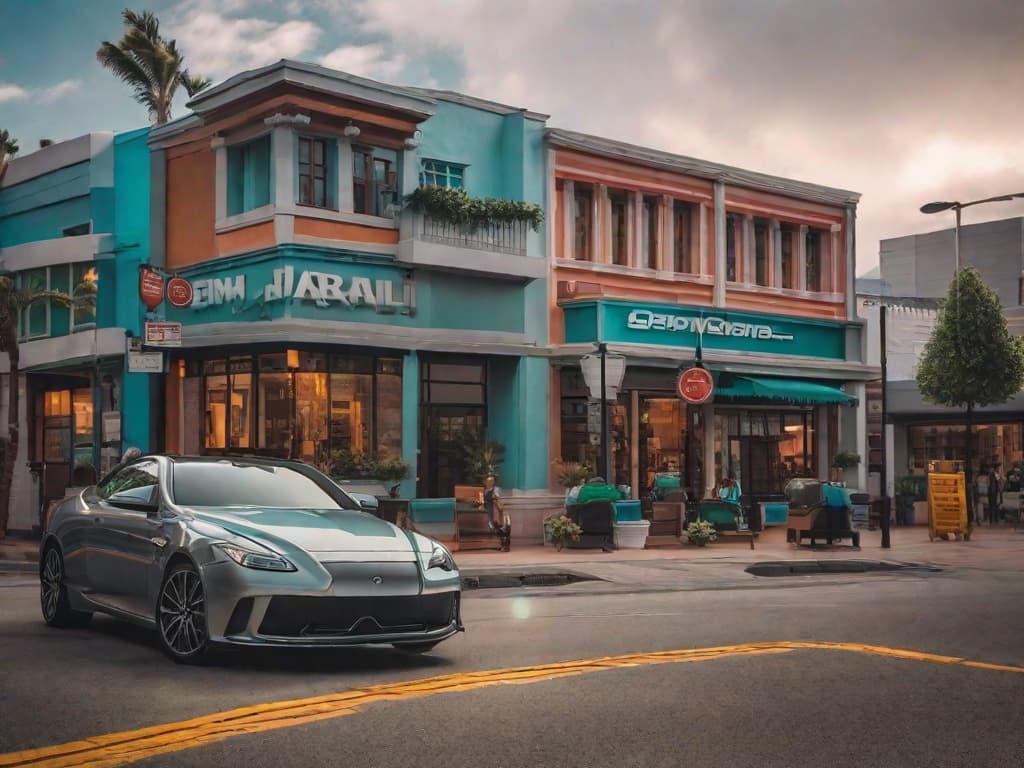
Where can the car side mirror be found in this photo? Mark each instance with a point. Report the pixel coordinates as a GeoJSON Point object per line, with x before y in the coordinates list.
{"type": "Point", "coordinates": [131, 501]}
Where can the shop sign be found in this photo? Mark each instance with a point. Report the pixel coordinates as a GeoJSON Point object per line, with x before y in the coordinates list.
{"type": "Point", "coordinates": [179, 292]}
{"type": "Point", "coordinates": [322, 288]}
{"type": "Point", "coordinates": [695, 385]}
{"type": "Point", "coordinates": [163, 334]}
{"type": "Point", "coordinates": [145, 362]}
{"type": "Point", "coordinates": [151, 288]}
{"type": "Point", "coordinates": [646, 320]}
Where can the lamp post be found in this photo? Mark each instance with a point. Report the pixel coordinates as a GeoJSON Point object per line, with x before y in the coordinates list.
{"type": "Point", "coordinates": [603, 374]}
{"type": "Point", "coordinates": [957, 206]}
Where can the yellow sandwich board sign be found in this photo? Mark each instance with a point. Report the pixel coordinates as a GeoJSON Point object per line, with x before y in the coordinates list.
{"type": "Point", "coordinates": [947, 505]}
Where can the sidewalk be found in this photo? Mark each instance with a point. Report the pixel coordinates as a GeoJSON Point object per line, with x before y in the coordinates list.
{"type": "Point", "coordinates": [999, 548]}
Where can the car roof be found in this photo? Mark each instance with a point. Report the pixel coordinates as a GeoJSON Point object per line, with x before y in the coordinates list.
{"type": "Point", "coordinates": [264, 460]}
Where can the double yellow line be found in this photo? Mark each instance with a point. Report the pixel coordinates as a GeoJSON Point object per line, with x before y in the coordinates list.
{"type": "Point", "coordinates": [114, 749]}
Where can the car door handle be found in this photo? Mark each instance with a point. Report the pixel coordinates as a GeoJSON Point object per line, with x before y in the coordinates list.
{"type": "Point", "coordinates": [159, 541]}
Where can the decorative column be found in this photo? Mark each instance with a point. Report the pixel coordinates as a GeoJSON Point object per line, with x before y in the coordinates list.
{"type": "Point", "coordinates": [600, 221]}
{"type": "Point", "coordinates": [720, 235]}
{"type": "Point", "coordinates": [220, 159]}
{"type": "Point", "coordinates": [567, 248]}
{"type": "Point", "coordinates": [707, 414]}
{"type": "Point", "coordinates": [775, 229]}
{"type": "Point", "coordinates": [346, 199]}
{"type": "Point", "coordinates": [635, 244]}
{"type": "Point", "coordinates": [850, 256]}
{"type": "Point", "coordinates": [749, 251]}
{"type": "Point", "coordinates": [800, 253]}
{"type": "Point", "coordinates": [701, 257]}
{"type": "Point", "coordinates": [667, 241]}
{"type": "Point", "coordinates": [410, 420]}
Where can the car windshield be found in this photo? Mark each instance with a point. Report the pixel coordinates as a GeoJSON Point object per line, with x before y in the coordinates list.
{"type": "Point", "coordinates": [241, 484]}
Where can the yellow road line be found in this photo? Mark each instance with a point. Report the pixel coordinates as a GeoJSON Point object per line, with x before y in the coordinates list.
{"type": "Point", "coordinates": [115, 749]}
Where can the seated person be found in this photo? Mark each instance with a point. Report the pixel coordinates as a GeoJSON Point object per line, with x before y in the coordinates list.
{"type": "Point", "coordinates": [729, 490]}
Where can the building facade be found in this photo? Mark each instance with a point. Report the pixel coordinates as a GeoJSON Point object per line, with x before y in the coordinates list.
{"type": "Point", "coordinates": [324, 316]}
{"type": "Point", "coordinates": [915, 272]}
{"type": "Point", "coordinates": [72, 212]}
{"type": "Point", "coordinates": [655, 255]}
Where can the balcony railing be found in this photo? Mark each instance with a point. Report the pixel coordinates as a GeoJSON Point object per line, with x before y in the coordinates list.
{"type": "Point", "coordinates": [501, 237]}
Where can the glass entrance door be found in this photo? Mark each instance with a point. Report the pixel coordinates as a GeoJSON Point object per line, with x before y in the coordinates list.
{"type": "Point", "coordinates": [447, 431]}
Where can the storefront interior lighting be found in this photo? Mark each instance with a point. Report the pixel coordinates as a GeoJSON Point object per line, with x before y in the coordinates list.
{"type": "Point", "coordinates": [293, 359]}
{"type": "Point", "coordinates": [181, 369]}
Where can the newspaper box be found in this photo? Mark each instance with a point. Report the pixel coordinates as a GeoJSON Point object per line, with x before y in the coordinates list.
{"type": "Point", "coordinates": [947, 505]}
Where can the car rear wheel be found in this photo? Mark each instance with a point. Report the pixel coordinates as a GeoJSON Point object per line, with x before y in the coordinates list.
{"type": "Point", "coordinates": [53, 593]}
{"type": "Point", "coordinates": [181, 615]}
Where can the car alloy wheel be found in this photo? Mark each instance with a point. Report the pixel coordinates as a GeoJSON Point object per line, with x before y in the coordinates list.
{"type": "Point", "coordinates": [53, 594]}
{"type": "Point", "coordinates": [181, 615]}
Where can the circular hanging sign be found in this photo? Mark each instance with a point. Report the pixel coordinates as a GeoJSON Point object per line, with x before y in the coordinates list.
{"type": "Point", "coordinates": [151, 288]}
{"type": "Point", "coordinates": [179, 292]}
{"type": "Point", "coordinates": [695, 385]}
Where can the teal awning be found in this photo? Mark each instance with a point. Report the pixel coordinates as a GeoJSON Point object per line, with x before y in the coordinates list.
{"type": "Point", "coordinates": [785, 390]}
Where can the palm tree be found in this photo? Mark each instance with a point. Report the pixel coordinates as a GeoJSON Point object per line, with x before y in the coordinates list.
{"type": "Point", "coordinates": [8, 149]}
{"type": "Point", "coordinates": [149, 64]}
{"type": "Point", "coordinates": [14, 300]}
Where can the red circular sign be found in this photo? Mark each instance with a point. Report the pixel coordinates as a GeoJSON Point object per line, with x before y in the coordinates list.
{"type": "Point", "coordinates": [179, 292]}
{"type": "Point", "coordinates": [695, 385]}
{"type": "Point", "coordinates": [151, 288]}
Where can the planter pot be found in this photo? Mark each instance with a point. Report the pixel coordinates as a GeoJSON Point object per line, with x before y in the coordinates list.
{"type": "Point", "coordinates": [631, 535]}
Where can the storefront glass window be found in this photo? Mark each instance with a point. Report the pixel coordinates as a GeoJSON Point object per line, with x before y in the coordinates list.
{"type": "Point", "coordinates": [82, 406]}
{"type": "Point", "coordinates": [352, 411]}
{"type": "Point", "coordinates": [389, 407]}
{"type": "Point", "coordinates": [994, 444]}
{"type": "Point", "coordinates": [241, 407]}
{"type": "Point", "coordinates": [275, 409]}
{"type": "Point", "coordinates": [311, 417]}
{"type": "Point", "coordinates": [216, 411]}
{"type": "Point", "coordinates": [762, 450]}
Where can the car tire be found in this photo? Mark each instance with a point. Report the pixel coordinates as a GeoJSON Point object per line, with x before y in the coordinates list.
{"type": "Point", "coordinates": [53, 593]}
{"type": "Point", "coordinates": [181, 615]}
{"type": "Point", "coordinates": [416, 647]}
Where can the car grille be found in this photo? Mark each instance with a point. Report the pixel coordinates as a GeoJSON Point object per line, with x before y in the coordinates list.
{"type": "Point", "coordinates": [355, 616]}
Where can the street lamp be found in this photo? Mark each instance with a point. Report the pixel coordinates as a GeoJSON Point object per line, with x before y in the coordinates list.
{"type": "Point", "coordinates": [957, 206]}
{"type": "Point", "coordinates": [603, 374]}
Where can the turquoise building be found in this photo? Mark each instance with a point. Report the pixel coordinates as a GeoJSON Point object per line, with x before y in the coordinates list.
{"type": "Point", "coordinates": [74, 212]}
{"type": "Point", "coordinates": [328, 319]}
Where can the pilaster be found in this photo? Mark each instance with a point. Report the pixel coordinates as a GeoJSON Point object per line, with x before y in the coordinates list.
{"type": "Point", "coordinates": [720, 235]}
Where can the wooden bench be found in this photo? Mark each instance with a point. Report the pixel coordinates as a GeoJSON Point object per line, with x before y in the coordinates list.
{"type": "Point", "coordinates": [819, 523]}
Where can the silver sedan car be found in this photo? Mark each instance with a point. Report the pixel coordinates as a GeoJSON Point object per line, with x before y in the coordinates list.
{"type": "Point", "coordinates": [240, 551]}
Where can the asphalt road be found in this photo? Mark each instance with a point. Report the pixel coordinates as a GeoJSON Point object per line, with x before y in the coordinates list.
{"type": "Point", "coordinates": [767, 704]}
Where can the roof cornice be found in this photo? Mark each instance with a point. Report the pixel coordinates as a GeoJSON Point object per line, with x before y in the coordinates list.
{"type": "Point", "coordinates": [454, 97]}
{"type": "Point", "coordinates": [704, 169]}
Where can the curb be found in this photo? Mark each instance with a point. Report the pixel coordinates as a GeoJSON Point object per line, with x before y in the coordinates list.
{"type": "Point", "coordinates": [18, 566]}
{"type": "Point", "coordinates": [805, 567]}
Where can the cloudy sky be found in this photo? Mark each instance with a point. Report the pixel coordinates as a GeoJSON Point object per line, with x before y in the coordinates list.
{"type": "Point", "coordinates": [905, 101]}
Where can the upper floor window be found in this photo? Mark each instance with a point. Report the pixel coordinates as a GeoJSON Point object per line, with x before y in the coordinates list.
{"type": "Point", "coordinates": [437, 173]}
{"type": "Point", "coordinates": [583, 212]}
{"type": "Point", "coordinates": [761, 251]}
{"type": "Point", "coordinates": [374, 180]}
{"type": "Point", "coordinates": [248, 176]}
{"type": "Point", "coordinates": [650, 240]}
{"type": "Point", "coordinates": [47, 317]}
{"type": "Point", "coordinates": [683, 252]}
{"type": "Point", "coordinates": [732, 239]}
{"type": "Point", "coordinates": [813, 260]}
{"type": "Point", "coordinates": [619, 200]}
{"type": "Point", "coordinates": [35, 318]}
{"type": "Point", "coordinates": [314, 173]}
{"type": "Point", "coordinates": [788, 257]}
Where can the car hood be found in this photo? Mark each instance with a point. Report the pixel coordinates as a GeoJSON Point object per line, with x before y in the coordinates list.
{"type": "Point", "coordinates": [317, 531]}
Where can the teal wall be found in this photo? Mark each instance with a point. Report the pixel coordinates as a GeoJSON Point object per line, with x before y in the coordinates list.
{"type": "Point", "coordinates": [41, 208]}
{"type": "Point", "coordinates": [119, 276]}
{"type": "Point", "coordinates": [410, 419]}
{"type": "Point", "coordinates": [674, 326]}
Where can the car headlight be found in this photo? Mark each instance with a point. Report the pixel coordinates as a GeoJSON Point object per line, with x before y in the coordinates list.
{"type": "Point", "coordinates": [441, 558]}
{"type": "Point", "coordinates": [264, 561]}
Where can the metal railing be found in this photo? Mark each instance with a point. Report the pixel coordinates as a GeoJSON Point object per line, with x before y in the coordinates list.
{"type": "Point", "coordinates": [501, 237]}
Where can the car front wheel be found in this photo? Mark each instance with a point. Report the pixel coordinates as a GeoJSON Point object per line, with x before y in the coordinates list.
{"type": "Point", "coordinates": [53, 593]}
{"type": "Point", "coordinates": [181, 615]}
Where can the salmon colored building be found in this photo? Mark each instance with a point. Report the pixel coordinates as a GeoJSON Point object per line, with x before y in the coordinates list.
{"type": "Point", "coordinates": [654, 255]}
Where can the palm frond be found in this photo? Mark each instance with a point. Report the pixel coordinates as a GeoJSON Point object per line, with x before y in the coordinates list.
{"type": "Point", "coordinates": [194, 83]}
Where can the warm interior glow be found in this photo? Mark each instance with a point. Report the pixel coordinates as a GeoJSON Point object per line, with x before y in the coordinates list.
{"type": "Point", "coordinates": [293, 358]}
{"type": "Point", "coordinates": [90, 276]}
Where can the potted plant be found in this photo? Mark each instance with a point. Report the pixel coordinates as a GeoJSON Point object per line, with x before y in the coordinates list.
{"type": "Point", "coordinates": [562, 530]}
{"type": "Point", "coordinates": [906, 494]}
{"type": "Point", "coordinates": [700, 532]}
{"type": "Point", "coordinates": [571, 473]}
{"type": "Point", "coordinates": [362, 465]}
{"type": "Point", "coordinates": [843, 461]}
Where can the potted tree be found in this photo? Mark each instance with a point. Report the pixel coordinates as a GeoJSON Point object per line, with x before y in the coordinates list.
{"type": "Point", "coordinates": [843, 461]}
{"type": "Point", "coordinates": [906, 494]}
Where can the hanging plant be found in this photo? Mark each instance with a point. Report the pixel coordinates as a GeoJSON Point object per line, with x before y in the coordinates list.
{"type": "Point", "coordinates": [455, 206]}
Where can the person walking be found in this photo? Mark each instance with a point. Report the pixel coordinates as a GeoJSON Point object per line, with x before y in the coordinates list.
{"type": "Point", "coordinates": [994, 493]}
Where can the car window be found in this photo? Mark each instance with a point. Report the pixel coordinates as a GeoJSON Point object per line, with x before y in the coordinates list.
{"type": "Point", "coordinates": [139, 478]}
{"type": "Point", "coordinates": [242, 484]}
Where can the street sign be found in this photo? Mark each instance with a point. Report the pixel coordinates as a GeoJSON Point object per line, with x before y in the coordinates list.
{"type": "Point", "coordinates": [179, 292]}
{"type": "Point", "coordinates": [151, 288]}
{"type": "Point", "coordinates": [695, 385]}
{"type": "Point", "coordinates": [163, 334]}
{"type": "Point", "coordinates": [145, 362]}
